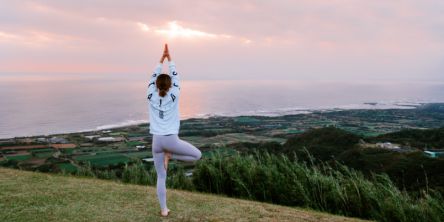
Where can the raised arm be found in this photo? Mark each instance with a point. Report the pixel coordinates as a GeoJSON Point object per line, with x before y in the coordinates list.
{"type": "Point", "coordinates": [172, 71]}
{"type": "Point", "coordinates": [174, 77]}
{"type": "Point", "coordinates": [157, 71]}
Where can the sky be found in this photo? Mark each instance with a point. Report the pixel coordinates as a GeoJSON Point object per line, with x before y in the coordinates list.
{"type": "Point", "coordinates": [356, 40]}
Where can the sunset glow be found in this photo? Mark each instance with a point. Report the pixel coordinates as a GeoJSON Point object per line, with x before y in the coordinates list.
{"type": "Point", "coordinates": [175, 30]}
{"type": "Point", "coordinates": [364, 40]}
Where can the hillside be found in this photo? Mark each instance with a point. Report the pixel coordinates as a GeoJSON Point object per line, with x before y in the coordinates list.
{"type": "Point", "coordinates": [30, 196]}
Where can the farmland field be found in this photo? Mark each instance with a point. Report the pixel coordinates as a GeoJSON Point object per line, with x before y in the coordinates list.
{"type": "Point", "coordinates": [43, 154]}
{"type": "Point", "coordinates": [103, 160]}
{"type": "Point", "coordinates": [67, 167]}
{"type": "Point", "coordinates": [18, 157]}
{"type": "Point", "coordinates": [143, 154]}
{"type": "Point", "coordinates": [208, 134]}
{"type": "Point", "coordinates": [68, 150]}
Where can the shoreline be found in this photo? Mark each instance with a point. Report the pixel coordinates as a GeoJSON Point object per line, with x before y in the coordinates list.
{"type": "Point", "coordinates": [259, 113]}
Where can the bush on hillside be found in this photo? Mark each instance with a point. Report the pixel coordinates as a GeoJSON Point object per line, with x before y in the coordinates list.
{"type": "Point", "coordinates": [277, 179]}
{"type": "Point", "coordinates": [324, 143]}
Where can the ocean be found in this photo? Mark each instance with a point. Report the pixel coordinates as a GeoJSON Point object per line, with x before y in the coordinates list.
{"type": "Point", "coordinates": [41, 104]}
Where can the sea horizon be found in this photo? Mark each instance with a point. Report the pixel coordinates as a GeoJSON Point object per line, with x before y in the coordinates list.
{"type": "Point", "coordinates": [270, 113]}
{"type": "Point", "coordinates": [55, 104]}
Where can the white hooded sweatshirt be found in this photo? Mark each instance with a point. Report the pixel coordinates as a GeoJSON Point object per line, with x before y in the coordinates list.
{"type": "Point", "coordinates": [164, 111]}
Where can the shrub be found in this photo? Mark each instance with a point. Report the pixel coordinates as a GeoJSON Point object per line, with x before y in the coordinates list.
{"type": "Point", "coordinates": [279, 180]}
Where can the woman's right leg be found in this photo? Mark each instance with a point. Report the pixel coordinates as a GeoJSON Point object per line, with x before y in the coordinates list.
{"type": "Point", "coordinates": [181, 150]}
{"type": "Point", "coordinates": [158, 156]}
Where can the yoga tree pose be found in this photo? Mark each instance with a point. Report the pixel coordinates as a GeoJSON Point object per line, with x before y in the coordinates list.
{"type": "Point", "coordinates": [163, 97]}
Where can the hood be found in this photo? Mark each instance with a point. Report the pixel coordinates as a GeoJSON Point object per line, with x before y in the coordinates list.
{"type": "Point", "coordinates": [162, 103]}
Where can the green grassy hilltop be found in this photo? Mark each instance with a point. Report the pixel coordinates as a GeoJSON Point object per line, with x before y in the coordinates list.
{"type": "Point", "coordinates": [30, 196]}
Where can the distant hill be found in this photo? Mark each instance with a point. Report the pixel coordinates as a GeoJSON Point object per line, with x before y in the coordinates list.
{"type": "Point", "coordinates": [30, 196]}
{"type": "Point", "coordinates": [411, 170]}
{"type": "Point", "coordinates": [432, 107]}
{"type": "Point", "coordinates": [428, 138]}
{"type": "Point", "coordinates": [324, 143]}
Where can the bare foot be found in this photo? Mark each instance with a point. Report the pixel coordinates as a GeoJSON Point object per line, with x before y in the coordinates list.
{"type": "Point", "coordinates": [166, 159]}
{"type": "Point", "coordinates": [165, 212]}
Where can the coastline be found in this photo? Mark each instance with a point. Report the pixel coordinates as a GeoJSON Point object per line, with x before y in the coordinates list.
{"type": "Point", "coordinates": [282, 112]}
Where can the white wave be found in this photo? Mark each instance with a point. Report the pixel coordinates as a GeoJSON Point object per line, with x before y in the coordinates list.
{"type": "Point", "coordinates": [298, 110]}
{"type": "Point", "coordinates": [121, 124]}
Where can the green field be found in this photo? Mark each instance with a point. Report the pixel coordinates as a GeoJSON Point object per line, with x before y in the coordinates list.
{"type": "Point", "coordinates": [102, 160]}
{"type": "Point", "coordinates": [43, 154]}
{"type": "Point", "coordinates": [67, 167]}
{"type": "Point", "coordinates": [68, 150]}
{"type": "Point", "coordinates": [19, 157]}
{"type": "Point", "coordinates": [294, 131]}
{"type": "Point", "coordinates": [134, 143]}
{"type": "Point", "coordinates": [136, 134]}
{"type": "Point", "coordinates": [229, 138]}
{"type": "Point", "coordinates": [118, 133]}
{"type": "Point", "coordinates": [143, 154]}
{"type": "Point", "coordinates": [42, 150]}
{"type": "Point", "coordinates": [246, 119]}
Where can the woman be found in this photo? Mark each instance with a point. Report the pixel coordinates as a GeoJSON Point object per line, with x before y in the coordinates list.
{"type": "Point", "coordinates": [163, 97]}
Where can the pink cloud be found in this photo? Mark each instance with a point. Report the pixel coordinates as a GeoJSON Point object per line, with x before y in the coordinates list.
{"type": "Point", "coordinates": [347, 37]}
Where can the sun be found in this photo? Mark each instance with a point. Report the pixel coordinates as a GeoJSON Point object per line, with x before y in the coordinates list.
{"type": "Point", "coordinates": [174, 30]}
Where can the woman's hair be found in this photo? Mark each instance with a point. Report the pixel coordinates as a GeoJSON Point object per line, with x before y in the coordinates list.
{"type": "Point", "coordinates": [163, 83]}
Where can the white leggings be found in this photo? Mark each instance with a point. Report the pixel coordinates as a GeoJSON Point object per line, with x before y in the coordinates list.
{"type": "Point", "coordinates": [181, 150]}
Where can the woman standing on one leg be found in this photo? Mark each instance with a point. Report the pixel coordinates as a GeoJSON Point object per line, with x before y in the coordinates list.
{"type": "Point", "coordinates": [163, 97]}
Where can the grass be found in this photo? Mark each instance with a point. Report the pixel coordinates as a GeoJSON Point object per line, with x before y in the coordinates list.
{"type": "Point", "coordinates": [222, 150]}
{"type": "Point", "coordinates": [31, 196]}
{"type": "Point", "coordinates": [277, 179]}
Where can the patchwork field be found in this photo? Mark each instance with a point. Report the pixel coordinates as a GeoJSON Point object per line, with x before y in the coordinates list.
{"type": "Point", "coordinates": [113, 147]}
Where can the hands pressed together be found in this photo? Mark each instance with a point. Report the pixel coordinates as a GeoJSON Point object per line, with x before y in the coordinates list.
{"type": "Point", "coordinates": [166, 54]}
